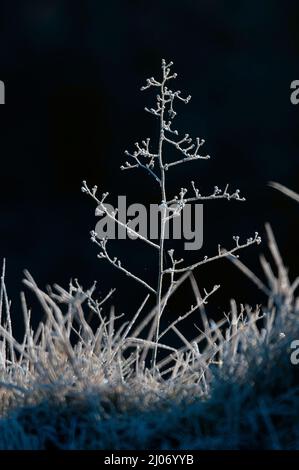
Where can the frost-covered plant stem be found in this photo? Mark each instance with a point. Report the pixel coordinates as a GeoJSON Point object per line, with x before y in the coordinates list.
{"type": "Point", "coordinates": [163, 212]}
{"type": "Point", "coordinates": [156, 166]}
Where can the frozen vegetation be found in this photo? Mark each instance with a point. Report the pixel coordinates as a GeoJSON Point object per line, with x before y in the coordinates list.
{"type": "Point", "coordinates": [73, 384]}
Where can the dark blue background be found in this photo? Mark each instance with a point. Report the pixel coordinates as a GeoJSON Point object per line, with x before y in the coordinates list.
{"type": "Point", "coordinates": [73, 70]}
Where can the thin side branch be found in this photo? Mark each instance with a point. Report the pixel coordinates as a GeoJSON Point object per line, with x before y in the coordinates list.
{"type": "Point", "coordinates": [92, 193]}
{"type": "Point", "coordinates": [222, 253]}
{"type": "Point", "coordinates": [116, 262]}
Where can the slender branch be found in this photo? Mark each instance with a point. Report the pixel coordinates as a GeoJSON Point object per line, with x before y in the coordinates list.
{"type": "Point", "coordinates": [288, 192]}
{"type": "Point", "coordinates": [149, 83]}
{"type": "Point", "coordinates": [187, 159]}
{"type": "Point", "coordinates": [116, 262]}
{"type": "Point", "coordinates": [146, 167]}
{"type": "Point", "coordinates": [192, 309]}
{"type": "Point", "coordinates": [142, 151]}
{"type": "Point", "coordinates": [222, 253]}
{"type": "Point", "coordinates": [172, 283]}
{"type": "Point", "coordinates": [163, 211]}
{"type": "Point", "coordinates": [92, 193]}
{"type": "Point", "coordinates": [186, 151]}
{"type": "Point", "coordinates": [217, 194]}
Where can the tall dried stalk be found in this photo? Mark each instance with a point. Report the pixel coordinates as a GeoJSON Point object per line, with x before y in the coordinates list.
{"type": "Point", "coordinates": [155, 164]}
